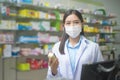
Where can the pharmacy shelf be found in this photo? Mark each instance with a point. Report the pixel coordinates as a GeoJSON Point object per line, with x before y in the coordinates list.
{"type": "Point", "coordinates": [37, 44]}
{"type": "Point", "coordinates": [17, 6]}
{"type": "Point", "coordinates": [99, 16]}
{"type": "Point", "coordinates": [106, 42]}
{"type": "Point", "coordinates": [25, 19]}
{"type": "Point", "coordinates": [58, 33]}
{"type": "Point", "coordinates": [100, 33]}
{"type": "Point", "coordinates": [29, 44]}
{"type": "Point", "coordinates": [48, 9]}
{"type": "Point", "coordinates": [29, 56]}
{"type": "Point", "coordinates": [32, 70]}
{"type": "Point", "coordinates": [30, 6]}
{"type": "Point", "coordinates": [7, 43]}
{"type": "Point", "coordinates": [99, 25]}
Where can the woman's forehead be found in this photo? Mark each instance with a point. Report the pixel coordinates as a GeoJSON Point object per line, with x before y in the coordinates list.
{"type": "Point", "coordinates": [72, 17]}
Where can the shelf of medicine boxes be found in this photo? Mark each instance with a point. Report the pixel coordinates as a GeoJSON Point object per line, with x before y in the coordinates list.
{"type": "Point", "coordinates": [100, 25]}
{"type": "Point", "coordinates": [18, 18]}
{"type": "Point", "coordinates": [94, 33]}
{"type": "Point", "coordinates": [48, 9]}
{"type": "Point", "coordinates": [29, 32]}
{"type": "Point", "coordinates": [22, 61]}
{"type": "Point", "coordinates": [43, 56]}
{"type": "Point", "coordinates": [98, 16]}
{"type": "Point", "coordinates": [101, 41]}
{"type": "Point", "coordinates": [30, 6]}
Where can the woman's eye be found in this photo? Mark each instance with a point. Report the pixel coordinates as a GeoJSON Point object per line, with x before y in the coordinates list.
{"type": "Point", "coordinates": [68, 23]}
{"type": "Point", "coordinates": [76, 22]}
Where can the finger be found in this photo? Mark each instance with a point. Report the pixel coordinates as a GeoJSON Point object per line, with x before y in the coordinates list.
{"type": "Point", "coordinates": [55, 63]}
{"type": "Point", "coordinates": [50, 61]}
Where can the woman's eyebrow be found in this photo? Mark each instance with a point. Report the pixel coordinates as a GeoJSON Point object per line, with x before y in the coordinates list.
{"type": "Point", "coordinates": [72, 21]}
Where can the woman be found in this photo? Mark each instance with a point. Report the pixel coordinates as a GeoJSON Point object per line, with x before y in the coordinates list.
{"type": "Point", "coordinates": [73, 50]}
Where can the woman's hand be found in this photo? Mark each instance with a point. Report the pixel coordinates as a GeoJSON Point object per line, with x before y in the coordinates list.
{"type": "Point", "coordinates": [53, 63]}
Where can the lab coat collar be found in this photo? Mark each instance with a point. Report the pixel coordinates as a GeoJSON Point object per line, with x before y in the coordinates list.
{"type": "Point", "coordinates": [81, 50]}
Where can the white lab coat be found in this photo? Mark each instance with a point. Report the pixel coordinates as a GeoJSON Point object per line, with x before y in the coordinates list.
{"type": "Point", "coordinates": [88, 52]}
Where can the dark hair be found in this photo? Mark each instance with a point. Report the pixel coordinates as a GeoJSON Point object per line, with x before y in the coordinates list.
{"type": "Point", "coordinates": [64, 35]}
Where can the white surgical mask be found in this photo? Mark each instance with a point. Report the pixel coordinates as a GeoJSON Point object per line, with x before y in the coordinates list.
{"type": "Point", "coordinates": [73, 31]}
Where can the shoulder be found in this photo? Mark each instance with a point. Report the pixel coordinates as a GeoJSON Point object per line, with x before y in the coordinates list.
{"type": "Point", "coordinates": [56, 45]}
{"type": "Point", "coordinates": [89, 42]}
{"type": "Point", "coordinates": [55, 49]}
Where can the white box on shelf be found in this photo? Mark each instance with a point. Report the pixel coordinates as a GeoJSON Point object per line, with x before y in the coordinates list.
{"type": "Point", "coordinates": [7, 50]}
